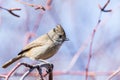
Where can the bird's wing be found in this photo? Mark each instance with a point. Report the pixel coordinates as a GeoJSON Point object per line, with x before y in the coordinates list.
{"type": "Point", "coordinates": [28, 47]}
{"type": "Point", "coordinates": [35, 43]}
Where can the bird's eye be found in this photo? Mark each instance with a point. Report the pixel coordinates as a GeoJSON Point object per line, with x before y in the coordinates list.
{"type": "Point", "coordinates": [60, 36]}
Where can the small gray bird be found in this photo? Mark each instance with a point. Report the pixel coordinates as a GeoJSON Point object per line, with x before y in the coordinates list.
{"type": "Point", "coordinates": [43, 47]}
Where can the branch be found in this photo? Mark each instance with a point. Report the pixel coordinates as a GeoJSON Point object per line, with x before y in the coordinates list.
{"type": "Point", "coordinates": [32, 5]}
{"type": "Point", "coordinates": [11, 11]}
{"type": "Point", "coordinates": [86, 42]}
{"type": "Point", "coordinates": [113, 74]}
{"type": "Point", "coordinates": [48, 4]}
{"type": "Point", "coordinates": [48, 67]}
{"type": "Point", "coordinates": [74, 73]}
{"type": "Point", "coordinates": [103, 8]}
{"type": "Point", "coordinates": [93, 35]}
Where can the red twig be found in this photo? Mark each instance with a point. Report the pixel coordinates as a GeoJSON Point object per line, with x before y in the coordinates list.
{"type": "Point", "coordinates": [81, 73]}
{"type": "Point", "coordinates": [48, 4]}
{"type": "Point", "coordinates": [11, 72]}
{"type": "Point", "coordinates": [32, 5]}
{"type": "Point", "coordinates": [85, 44]}
{"type": "Point", "coordinates": [93, 35]}
{"type": "Point", "coordinates": [90, 50]}
{"type": "Point", "coordinates": [76, 56]}
{"type": "Point", "coordinates": [75, 73]}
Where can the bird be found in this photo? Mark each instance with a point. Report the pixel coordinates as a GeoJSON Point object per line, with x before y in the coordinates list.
{"type": "Point", "coordinates": [44, 47]}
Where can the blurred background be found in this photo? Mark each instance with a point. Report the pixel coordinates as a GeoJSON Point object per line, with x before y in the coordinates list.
{"type": "Point", "coordinates": [78, 18]}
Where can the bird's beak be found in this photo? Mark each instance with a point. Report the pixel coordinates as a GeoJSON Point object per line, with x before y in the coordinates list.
{"type": "Point", "coordinates": [66, 39]}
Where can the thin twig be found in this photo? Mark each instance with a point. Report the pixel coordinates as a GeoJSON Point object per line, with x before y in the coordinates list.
{"type": "Point", "coordinates": [90, 50]}
{"type": "Point", "coordinates": [85, 43]}
{"type": "Point", "coordinates": [25, 74]}
{"type": "Point", "coordinates": [76, 56]}
{"type": "Point", "coordinates": [90, 54]}
{"type": "Point", "coordinates": [32, 5]}
{"type": "Point", "coordinates": [113, 74]}
{"type": "Point", "coordinates": [93, 35]}
{"type": "Point", "coordinates": [74, 73]}
{"type": "Point", "coordinates": [6, 76]}
{"type": "Point", "coordinates": [103, 8]}
{"type": "Point", "coordinates": [11, 11]}
{"type": "Point", "coordinates": [48, 4]}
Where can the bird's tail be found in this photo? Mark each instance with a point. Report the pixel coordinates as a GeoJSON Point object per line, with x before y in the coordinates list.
{"type": "Point", "coordinates": [12, 61]}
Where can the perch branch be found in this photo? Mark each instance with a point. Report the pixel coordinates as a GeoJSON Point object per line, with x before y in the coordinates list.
{"type": "Point", "coordinates": [49, 68]}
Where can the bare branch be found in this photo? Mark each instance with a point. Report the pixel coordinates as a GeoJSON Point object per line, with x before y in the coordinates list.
{"type": "Point", "coordinates": [113, 74]}
{"type": "Point", "coordinates": [92, 38]}
{"type": "Point", "coordinates": [103, 8]}
{"type": "Point", "coordinates": [85, 44]}
{"type": "Point", "coordinates": [11, 11]}
{"type": "Point", "coordinates": [49, 68]}
{"type": "Point", "coordinates": [32, 5]}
